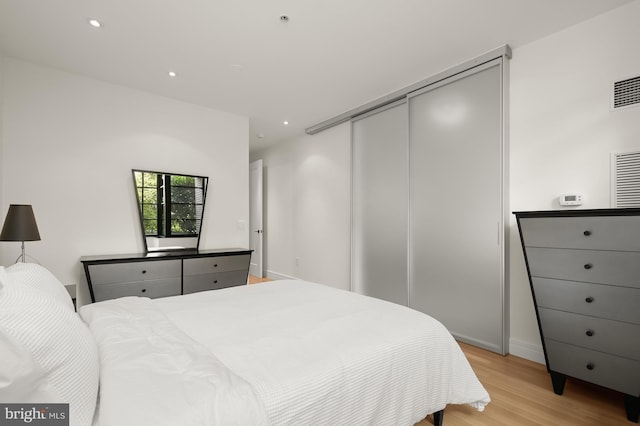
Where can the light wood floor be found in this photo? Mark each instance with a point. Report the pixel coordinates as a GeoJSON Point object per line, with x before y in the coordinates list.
{"type": "Point", "coordinates": [521, 395]}
{"type": "Point", "coordinates": [255, 280]}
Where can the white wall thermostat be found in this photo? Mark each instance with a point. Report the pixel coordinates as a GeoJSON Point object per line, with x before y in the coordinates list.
{"type": "Point", "coordinates": [570, 199]}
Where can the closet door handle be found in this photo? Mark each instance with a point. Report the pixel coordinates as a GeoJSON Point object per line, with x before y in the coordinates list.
{"type": "Point", "coordinates": [587, 233]}
{"type": "Point", "coordinates": [589, 299]}
{"type": "Point", "coordinates": [589, 333]}
{"type": "Point", "coordinates": [588, 266]}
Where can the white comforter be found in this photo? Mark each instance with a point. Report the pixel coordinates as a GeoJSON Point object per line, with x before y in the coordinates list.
{"type": "Point", "coordinates": [310, 354]}
{"type": "Point", "coordinates": [151, 373]}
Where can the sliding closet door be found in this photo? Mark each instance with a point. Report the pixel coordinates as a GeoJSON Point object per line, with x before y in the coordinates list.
{"type": "Point", "coordinates": [380, 204]}
{"type": "Point", "coordinates": [455, 167]}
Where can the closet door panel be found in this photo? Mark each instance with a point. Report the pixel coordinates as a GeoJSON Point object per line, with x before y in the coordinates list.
{"type": "Point", "coordinates": [456, 206]}
{"type": "Point", "coordinates": [380, 204]}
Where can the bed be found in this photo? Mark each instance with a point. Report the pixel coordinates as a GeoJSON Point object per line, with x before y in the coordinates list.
{"type": "Point", "coordinates": [283, 353]}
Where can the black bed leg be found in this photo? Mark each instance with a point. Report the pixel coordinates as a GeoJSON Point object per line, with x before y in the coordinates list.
{"type": "Point", "coordinates": [558, 380]}
{"type": "Point", "coordinates": [438, 416]}
{"type": "Point", "coordinates": [632, 405]}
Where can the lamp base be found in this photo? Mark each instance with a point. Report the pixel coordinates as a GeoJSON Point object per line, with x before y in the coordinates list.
{"type": "Point", "coordinates": [22, 258]}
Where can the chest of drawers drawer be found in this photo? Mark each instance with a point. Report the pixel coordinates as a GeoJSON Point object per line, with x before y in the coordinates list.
{"type": "Point", "coordinates": [152, 289]}
{"type": "Point", "coordinates": [599, 334]}
{"type": "Point", "coordinates": [591, 232]}
{"type": "Point", "coordinates": [597, 300]}
{"type": "Point", "coordinates": [195, 283]}
{"type": "Point", "coordinates": [614, 372]}
{"type": "Point", "coordinates": [209, 265]}
{"type": "Point", "coordinates": [592, 266]}
{"type": "Point", "coordinates": [110, 273]}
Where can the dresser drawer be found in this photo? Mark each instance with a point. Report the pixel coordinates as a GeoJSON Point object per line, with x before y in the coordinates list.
{"type": "Point", "coordinates": [598, 300]}
{"type": "Point", "coordinates": [621, 374]}
{"type": "Point", "coordinates": [595, 232]}
{"type": "Point", "coordinates": [109, 273]}
{"type": "Point", "coordinates": [195, 283]}
{"type": "Point", "coordinates": [594, 266]}
{"type": "Point", "coordinates": [152, 289]}
{"type": "Point", "coordinates": [603, 335]}
{"type": "Point", "coordinates": [208, 265]}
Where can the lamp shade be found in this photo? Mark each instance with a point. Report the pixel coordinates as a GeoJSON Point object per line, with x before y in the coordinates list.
{"type": "Point", "coordinates": [20, 224]}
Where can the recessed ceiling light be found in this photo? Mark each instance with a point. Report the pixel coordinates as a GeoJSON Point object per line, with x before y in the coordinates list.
{"type": "Point", "coordinates": [172, 74]}
{"type": "Point", "coordinates": [94, 23]}
{"type": "Point", "coordinates": [286, 123]}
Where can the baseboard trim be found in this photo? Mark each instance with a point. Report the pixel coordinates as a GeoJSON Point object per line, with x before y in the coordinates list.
{"type": "Point", "coordinates": [278, 276]}
{"type": "Point", "coordinates": [526, 350]}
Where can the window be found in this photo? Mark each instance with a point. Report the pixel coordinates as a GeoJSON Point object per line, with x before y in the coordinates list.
{"type": "Point", "coordinates": [170, 205]}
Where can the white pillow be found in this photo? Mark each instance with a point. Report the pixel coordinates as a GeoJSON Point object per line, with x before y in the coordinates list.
{"type": "Point", "coordinates": [22, 380]}
{"type": "Point", "coordinates": [40, 279]}
{"type": "Point", "coordinates": [63, 356]}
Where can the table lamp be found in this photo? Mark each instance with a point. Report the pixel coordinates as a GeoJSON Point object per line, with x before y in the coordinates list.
{"type": "Point", "coordinates": [20, 225]}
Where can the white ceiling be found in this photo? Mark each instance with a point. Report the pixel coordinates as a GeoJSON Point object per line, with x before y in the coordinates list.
{"type": "Point", "coordinates": [238, 56]}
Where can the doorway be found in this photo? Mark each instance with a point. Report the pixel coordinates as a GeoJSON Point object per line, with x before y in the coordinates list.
{"type": "Point", "coordinates": [255, 218]}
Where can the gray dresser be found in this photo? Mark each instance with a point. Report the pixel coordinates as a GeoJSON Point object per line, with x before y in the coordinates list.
{"type": "Point", "coordinates": [584, 271]}
{"type": "Point", "coordinates": [162, 274]}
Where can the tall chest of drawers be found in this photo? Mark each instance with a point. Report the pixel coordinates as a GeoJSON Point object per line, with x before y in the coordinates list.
{"type": "Point", "coordinates": [584, 271]}
{"type": "Point", "coordinates": [164, 274]}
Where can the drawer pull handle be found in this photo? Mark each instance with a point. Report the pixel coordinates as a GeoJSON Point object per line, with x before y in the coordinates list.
{"type": "Point", "coordinates": [144, 271]}
{"type": "Point", "coordinates": [215, 281]}
{"type": "Point", "coordinates": [144, 290]}
{"type": "Point", "coordinates": [590, 366]}
{"type": "Point", "coordinates": [587, 233]}
{"type": "Point", "coordinates": [215, 265]}
{"type": "Point", "coordinates": [589, 299]}
{"type": "Point", "coordinates": [588, 266]}
{"type": "Point", "coordinates": [589, 333]}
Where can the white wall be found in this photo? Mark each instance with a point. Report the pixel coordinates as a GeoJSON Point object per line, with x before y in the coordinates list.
{"type": "Point", "coordinates": [70, 142]}
{"type": "Point", "coordinates": [307, 208]}
{"type": "Point", "coordinates": [561, 134]}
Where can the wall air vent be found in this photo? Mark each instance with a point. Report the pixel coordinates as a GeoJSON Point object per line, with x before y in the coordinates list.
{"type": "Point", "coordinates": [625, 191]}
{"type": "Point", "coordinates": [626, 93]}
